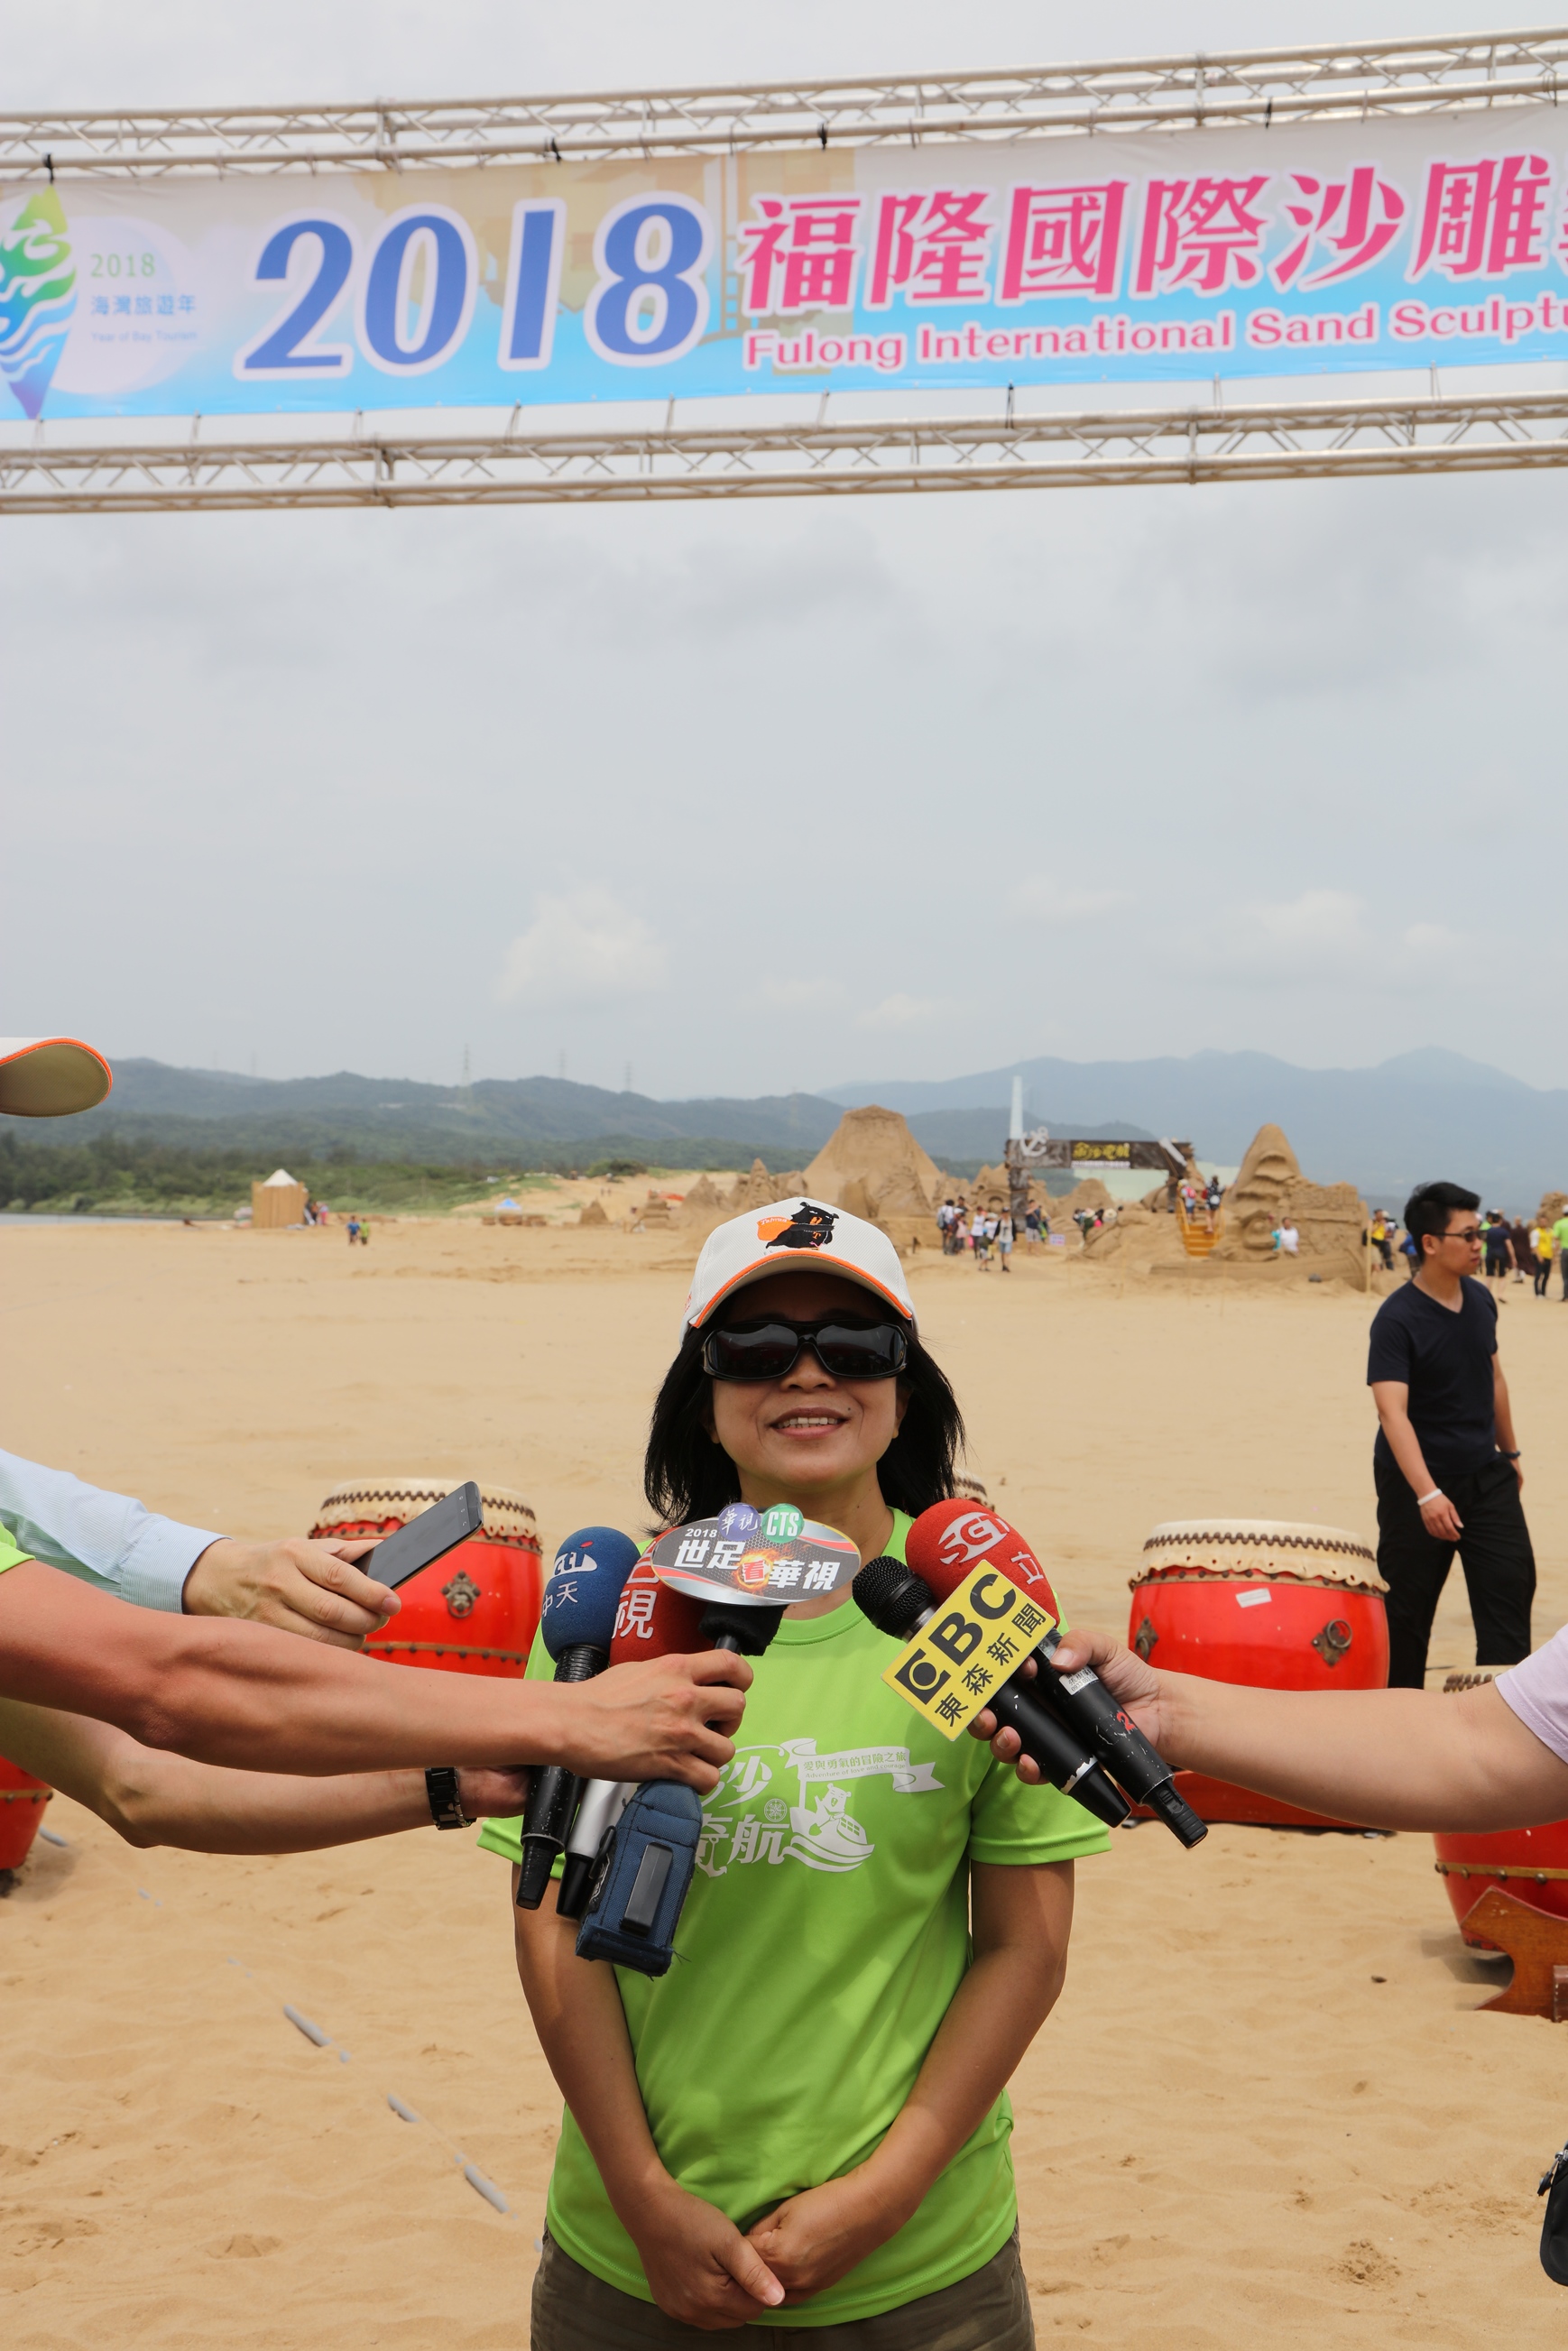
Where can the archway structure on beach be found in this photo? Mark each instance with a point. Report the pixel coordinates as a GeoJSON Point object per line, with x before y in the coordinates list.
{"type": "Point", "coordinates": [833, 287]}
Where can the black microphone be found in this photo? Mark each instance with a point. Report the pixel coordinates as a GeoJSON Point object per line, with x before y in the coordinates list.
{"type": "Point", "coordinates": [576, 1622]}
{"type": "Point", "coordinates": [740, 1626]}
{"type": "Point", "coordinates": [898, 1601]}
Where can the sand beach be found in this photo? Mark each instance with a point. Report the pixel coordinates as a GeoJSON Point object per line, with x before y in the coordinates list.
{"type": "Point", "coordinates": [1266, 2107]}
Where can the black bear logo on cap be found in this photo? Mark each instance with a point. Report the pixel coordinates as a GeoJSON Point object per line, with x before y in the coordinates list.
{"type": "Point", "coordinates": [809, 1227]}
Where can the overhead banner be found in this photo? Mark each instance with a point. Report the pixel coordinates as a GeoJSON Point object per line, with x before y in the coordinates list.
{"type": "Point", "coordinates": [1316, 249]}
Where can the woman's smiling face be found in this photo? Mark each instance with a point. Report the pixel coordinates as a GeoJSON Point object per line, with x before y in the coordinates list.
{"type": "Point", "coordinates": [808, 1431]}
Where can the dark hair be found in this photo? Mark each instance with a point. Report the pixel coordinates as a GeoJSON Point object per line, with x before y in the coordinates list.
{"type": "Point", "coordinates": [685, 1474]}
{"type": "Point", "coordinates": [1430, 1206]}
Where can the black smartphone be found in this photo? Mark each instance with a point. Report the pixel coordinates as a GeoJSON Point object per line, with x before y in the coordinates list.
{"type": "Point", "coordinates": [446, 1523]}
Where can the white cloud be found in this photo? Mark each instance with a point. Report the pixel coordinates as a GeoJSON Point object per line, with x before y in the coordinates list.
{"type": "Point", "coordinates": [900, 1012]}
{"type": "Point", "coordinates": [1042, 900]}
{"type": "Point", "coordinates": [582, 949]}
{"type": "Point", "coordinates": [1433, 939]}
{"type": "Point", "coordinates": [1318, 939]}
{"type": "Point", "coordinates": [1304, 931]}
{"type": "Point", "coordinates": [801, 995]}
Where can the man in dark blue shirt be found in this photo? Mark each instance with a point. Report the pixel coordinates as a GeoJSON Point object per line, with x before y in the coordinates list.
{"type": "Point", "coordinates": [1446, 1462]}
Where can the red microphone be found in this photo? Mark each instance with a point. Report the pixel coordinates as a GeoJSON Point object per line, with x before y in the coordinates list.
{"type": "Point", "coordinates": [652, 1620]}
{"type": "Point", "coordinates": [950, 1538]}
{"type": "Point", "coordinates": [655, 1620]}
{"type": "Point", "coordinates": [945, 1543]}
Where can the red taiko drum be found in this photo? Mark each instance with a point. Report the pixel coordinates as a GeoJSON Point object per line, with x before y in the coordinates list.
{"type": "Point", "coordinates": [22, 1801]}
{"type": "Point", "coordinates": [1530, 1863]}
{"type": "Point", "coordinates": [1266, 1604]}
{"type": "Point", "coordinates": [473, 1611]}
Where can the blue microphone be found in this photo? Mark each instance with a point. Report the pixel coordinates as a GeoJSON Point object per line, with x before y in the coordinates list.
{"type": "Point", "coordinates": [576, 1622]}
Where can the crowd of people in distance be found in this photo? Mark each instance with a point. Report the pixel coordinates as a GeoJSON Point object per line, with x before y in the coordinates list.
{"type": "Point", "coordinates": [978, 1231]}
{"type": "Point", "coordinates": [981, 1230]}
{"type": "Point", "coordinates": [1201, 1200]}
{"type": "Point", "coordinates": [1513, 1250]}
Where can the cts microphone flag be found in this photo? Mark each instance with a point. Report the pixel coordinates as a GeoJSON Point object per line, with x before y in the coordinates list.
{"type": "Point", "coordinates": [576, 1623]}
{"type": "Point", "coordinates": [755, 1558]}
{"type": "Point", "coordinates": [652, 1620]}
{"type": "Point", "coordinates": [944, 1543]}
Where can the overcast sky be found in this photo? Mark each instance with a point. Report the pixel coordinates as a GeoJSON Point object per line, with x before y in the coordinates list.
{"type": "Point", "coordinates": [754, 797]}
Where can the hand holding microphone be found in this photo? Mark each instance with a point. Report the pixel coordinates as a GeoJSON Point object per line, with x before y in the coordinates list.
{"type": "Point", "coordinates": [900, 1603]}
{"type": "Point", "coordinates": [946, 1544]}
{"type": "Point", "coordinates": [576, 1622]}
{"type": "Point", "coordinates": [652, 1620]}
{"type": "Point", "coordinates": [632, 1848]}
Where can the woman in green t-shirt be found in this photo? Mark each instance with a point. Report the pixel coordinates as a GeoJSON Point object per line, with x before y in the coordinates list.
{"type": "Point", "coordinates": [804, 2124]}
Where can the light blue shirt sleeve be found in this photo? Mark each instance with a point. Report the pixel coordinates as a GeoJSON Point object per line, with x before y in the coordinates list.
{"type": "Point", "coordinates": [106, 1539]}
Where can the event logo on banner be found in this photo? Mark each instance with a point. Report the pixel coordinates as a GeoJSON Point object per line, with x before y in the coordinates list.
{"type": "Point", "coordinates": [1313, 248]}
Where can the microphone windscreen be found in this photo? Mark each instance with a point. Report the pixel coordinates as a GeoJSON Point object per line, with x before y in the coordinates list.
{"type": "Point", "coordinates": [950, 1538]}
{"type": "Point", "coordinates": [891, 1595]}
{"type": "Point", "coordinates": [655, 1620]}
{"type": "Point", "coordinates": [584, 1588]}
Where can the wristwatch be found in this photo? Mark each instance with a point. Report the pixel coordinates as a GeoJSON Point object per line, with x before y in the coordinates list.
{"type": "Point", "coordinates": [446, 1798]}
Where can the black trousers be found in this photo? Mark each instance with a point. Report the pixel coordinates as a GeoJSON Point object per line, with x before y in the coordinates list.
{"type": "Point", "coordinates": [1494, 1551]}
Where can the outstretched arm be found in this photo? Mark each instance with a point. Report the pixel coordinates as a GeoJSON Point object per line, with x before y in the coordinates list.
{"type": "Point", "coordinates": [1397, 1758]}
{"type": "Point", "coordinates": [260, 1700]}
{"type": "Point", "coordinates": [151, 1799]}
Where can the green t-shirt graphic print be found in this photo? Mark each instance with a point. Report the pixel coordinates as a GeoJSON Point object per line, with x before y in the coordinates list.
{"type": "Point", "coordinates": [822, 1942]}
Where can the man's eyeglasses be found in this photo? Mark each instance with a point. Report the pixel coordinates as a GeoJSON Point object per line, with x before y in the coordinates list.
{"type": "Point", "coordinates": [1470, 1236]}
{"type": "Point", "coordinates": [771, 1351]}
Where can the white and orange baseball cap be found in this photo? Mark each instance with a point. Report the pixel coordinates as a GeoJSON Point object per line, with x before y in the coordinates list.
{"type": "Point", "coordinates": [788, 1237]}
{"type": "Point", "coordinates": [51, 1077]}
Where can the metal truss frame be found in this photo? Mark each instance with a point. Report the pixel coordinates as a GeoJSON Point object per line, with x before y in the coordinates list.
{"type": "Point", "coordinates": [1269, 441]}
{"type": "Point", "coordinates": [1323, 81]}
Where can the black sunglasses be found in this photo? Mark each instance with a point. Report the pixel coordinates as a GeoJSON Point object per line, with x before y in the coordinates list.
{"type": "Point", "coordinates": [771, 1351]}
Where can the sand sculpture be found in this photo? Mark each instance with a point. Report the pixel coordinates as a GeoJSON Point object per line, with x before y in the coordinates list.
{"type": "Point", "coordinates": [1140, 1238]}
{"type": "Point", "coordinates": [753, 1191]}
{"type": "Point", "coordinates": [593, 1214]}
{"type": "Point", "coordinates": [1330, 1219]}
{"type": "Point", "coordinates": [704, 1194]}
{"type": "Point", "coordinates": [1269, 1185]}
{"type": "Point", "coordinates": [1553, 1205]}
{"type": "Point", "coordinates": [990, 1189]}
{"type": "Point", "coordinates": [651, 1215]}
{"type": "Point", "coordinates": [1257, 1199]}
{"type": "Point", "coordinates": [871, 1166]}
{"type": "Point", "coordinates": [1089, 1195]}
